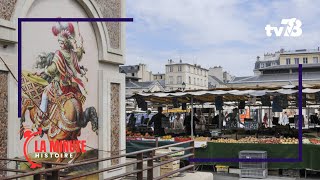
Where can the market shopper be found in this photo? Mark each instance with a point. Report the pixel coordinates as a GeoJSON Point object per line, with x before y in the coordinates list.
{"type": "Point", "coordinates": [157, 121]}
{"type": "Point", "coordinates": [265, 120]}
{"type": "Point", "coordinates": [147, 117]}
{"type": "Point", "coordinates": [132, 122]}
{"type": "Point", "coordinates": [285, 119]}
{"type": "Point", "coordinates": [187, 124]}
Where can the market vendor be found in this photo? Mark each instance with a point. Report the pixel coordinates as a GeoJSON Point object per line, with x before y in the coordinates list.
{"type": "Point", "coordinates": [178, 122]}
{"type": "Point", "coordinates": [202, 120]}
{"type": "Point", "coordinates": [157, 121]}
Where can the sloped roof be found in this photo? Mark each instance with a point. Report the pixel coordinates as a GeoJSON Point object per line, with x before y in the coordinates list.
{"type": "Point", "coordinates": [139, 85]}
{"type": "Point", "coordinates": [162, 83]}
{"type": "Point", "coordinates": [291, 66]}
{"type": "Point", "coordinates": [240, 78]}
{"type": "Point", "coordinates": [213, 78]}
{"type": "Point", "coordinates": [278, 77]}
{"type": "Point", "coordinates": [129, 69]}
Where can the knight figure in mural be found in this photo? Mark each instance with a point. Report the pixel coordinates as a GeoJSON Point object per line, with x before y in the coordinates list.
{"type": "Point", "coordinates": [64, 69]}
{"type": "Point", "coordinates": [56, 93]}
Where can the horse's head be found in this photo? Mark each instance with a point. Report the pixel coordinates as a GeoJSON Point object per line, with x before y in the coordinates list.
{"type": "Point", "coordinates": [90, 114]}
{"type": "Point", "coordinates": [44, 59]}
{"type": "Point", "coordinates": [94, 119]}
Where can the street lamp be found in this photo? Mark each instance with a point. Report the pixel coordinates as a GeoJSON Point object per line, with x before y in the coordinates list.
{"type": "Point", "coordinates": [183, 86]}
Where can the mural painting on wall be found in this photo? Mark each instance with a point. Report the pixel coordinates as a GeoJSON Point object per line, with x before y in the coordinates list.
{"type": "Point", "coordinates": [53, 97]}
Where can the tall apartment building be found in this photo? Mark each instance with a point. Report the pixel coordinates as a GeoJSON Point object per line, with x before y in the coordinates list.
{"type": "Point", "coordinates": [192, 75]}
{"type": "Point", "coordinates": [268, 60]}
{"type": "Point", "coordinates": [281, 68]}
{"type": "Point", "coordinates": [282, 57]}
{"type": "Point", "coordinates": [301, 56]}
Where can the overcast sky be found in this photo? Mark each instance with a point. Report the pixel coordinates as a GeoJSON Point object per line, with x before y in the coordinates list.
{"type": "Point", "coordinates": [229, 33]}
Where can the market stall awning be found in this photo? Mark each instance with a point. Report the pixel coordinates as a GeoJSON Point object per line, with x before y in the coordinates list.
{"type": "Point", "coordinates": [227, 93]}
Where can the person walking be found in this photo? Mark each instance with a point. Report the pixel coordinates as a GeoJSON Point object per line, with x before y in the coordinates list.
{"type": "Point", "coordinates": [157, 121]}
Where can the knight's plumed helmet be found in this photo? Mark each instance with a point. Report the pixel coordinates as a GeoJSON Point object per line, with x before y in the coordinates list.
{"type": "Point", "coordinates": [63, 30]}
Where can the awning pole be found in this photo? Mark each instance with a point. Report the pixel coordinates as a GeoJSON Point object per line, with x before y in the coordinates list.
{"type": "Point", "coordinates": [269, 118]}
{"type": "Point", "coordinates": [192, 117]}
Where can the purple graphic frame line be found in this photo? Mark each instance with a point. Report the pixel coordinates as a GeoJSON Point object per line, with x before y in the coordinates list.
{"type": "Point", "coordinates": [21, 20]}
{"type": "Point", "coordinates": [292, 160]}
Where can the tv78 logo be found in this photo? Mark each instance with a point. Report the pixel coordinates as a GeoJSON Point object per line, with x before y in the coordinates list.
{"type": "Point", "coordinates": [293, 28]}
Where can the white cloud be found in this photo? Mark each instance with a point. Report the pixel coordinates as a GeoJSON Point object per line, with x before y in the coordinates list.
{"type": "Point", "coordinates": [229, 33]}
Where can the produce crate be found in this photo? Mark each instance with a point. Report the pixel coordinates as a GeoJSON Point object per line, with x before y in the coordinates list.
{"type": "Point", "coordinates": [253, 173]}
{"type": "Point", "coordinates": [165, 158]}
{"type": "Point", "coordinates": [180, 153]}
{"type": "Point", "coordinates": [162, 151]}
{"type": "Point", "coordinates": [222, 169]}
{"type": "Point", "coordinates": [253, 155]}
{"type": "Point", "coordinates": [178, 139]}
{"type": "Point", "coordinates": [172, 165]}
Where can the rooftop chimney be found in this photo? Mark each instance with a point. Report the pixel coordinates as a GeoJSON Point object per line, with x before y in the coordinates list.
{"type": "Point", "coordinates": [258, 58]}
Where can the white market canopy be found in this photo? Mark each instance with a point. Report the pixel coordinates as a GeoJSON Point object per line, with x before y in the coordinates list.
{"type": "Point", "coordinates": [227, 93]}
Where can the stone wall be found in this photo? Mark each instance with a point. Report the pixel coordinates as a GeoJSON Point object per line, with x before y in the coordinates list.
{"type": "Point", "coordinates": [115, 122]}
{"type": "Point", "coordinates": [112, 9]}
{"type": "Point", "coordinates": [7, 9]}
{"type": "Point", "coordinates": [3, 116]}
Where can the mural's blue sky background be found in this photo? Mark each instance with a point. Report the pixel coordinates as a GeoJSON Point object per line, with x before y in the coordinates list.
{"type": "Point", "coordinates": [229, 33]}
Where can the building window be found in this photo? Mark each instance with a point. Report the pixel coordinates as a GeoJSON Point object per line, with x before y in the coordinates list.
{"type": "Point", "coordinates": [296, 60]}
{"type": "Point", "coordinates": [179, 68]}
{"type": "Point", "coordinates": [189, 80]}
{"type": "Point", "coordinates": [288, 61]}
{"type": "Point", "coordinates": [194, 70]}
{"type": "Point", "coordinates": [305, 60]}
{"type": "Point", "coordinates": [201, 82]}
{"type": "Point", "coordinates": [170, 69]}
{"type": "Point", "coordinates": [198, 81]}
{"type": "Point", "coordinates": [194, 81]}
{"type": "Point", "coordinates": [262, 65]}
{"type": "Point", "coordinates": [170, 79]}
{"type": "Point", "coordinates": [205, 83]}
{"type": "Point", "coordinates": [179, 80]}
{"type": "Point", "coordinates": [160, 77]}
{"type": "Point", "coordinates": [315, 60]}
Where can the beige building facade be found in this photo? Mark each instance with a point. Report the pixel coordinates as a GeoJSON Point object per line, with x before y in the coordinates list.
{"type": "Point", "coordinates": [303, 56]}
{"type": "Point", "coordinates": [281, 68]}
{"type": "Point", "coordinates": [192, 75]}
